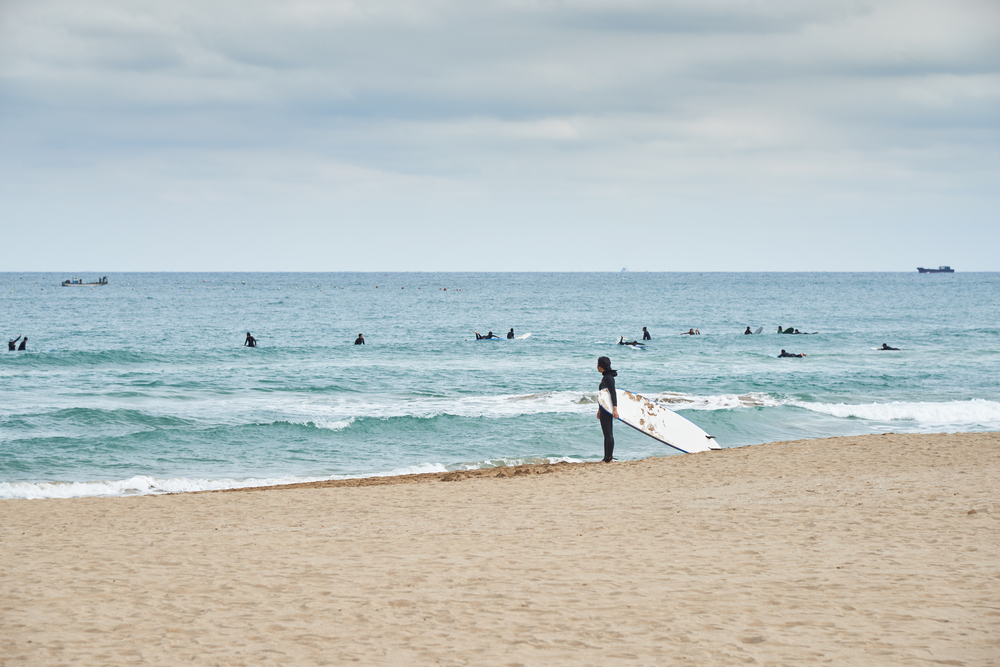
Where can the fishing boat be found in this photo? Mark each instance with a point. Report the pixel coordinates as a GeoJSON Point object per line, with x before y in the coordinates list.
{"type": "Point", "coordinates": [76, 282]}
{"type": "Point", "coordinates": [940, 269]}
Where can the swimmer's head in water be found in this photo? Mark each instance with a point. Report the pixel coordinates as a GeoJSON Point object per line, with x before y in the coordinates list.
{"type": "Point", "coordinates": [604, 362]}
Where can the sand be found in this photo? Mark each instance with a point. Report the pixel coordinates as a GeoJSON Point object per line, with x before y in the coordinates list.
{"type": "Point", "coordinates": [871, 550]}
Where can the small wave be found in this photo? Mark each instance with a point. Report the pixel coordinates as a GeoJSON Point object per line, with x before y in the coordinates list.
{"type": "Point", "coordinates": [135, 486]}
{"type": "Point", "coordinates": [947, 413]}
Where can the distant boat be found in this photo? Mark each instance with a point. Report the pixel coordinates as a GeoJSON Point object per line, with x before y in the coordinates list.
{"type": "Point", "coordinates": [940, 269]}
{"type": "Point", "coordinates": [76, 282]}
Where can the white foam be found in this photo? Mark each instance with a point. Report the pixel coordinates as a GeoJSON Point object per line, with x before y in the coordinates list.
{"type": "Point", "coordinates": [678, 401]}
{"type": "Point", "coordinates": [336, 425]}
{"type": "Point", "coordinates": [975, 412]}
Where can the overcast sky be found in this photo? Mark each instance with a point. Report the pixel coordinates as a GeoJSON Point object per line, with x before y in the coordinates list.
{"type": "Point", "coordinates": [515, 135]}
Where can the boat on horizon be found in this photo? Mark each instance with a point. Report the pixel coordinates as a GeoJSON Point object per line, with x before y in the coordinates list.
{"type": "Point", "coordinates": [76, 282]}
{"type": "Point", "coordinates": [940, 269]}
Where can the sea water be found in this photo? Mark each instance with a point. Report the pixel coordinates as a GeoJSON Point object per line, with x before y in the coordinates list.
{"type": "Point", "coordinates": [143, 386]}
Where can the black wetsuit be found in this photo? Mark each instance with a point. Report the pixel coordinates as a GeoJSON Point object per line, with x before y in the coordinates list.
{"type": "Point", "coordinates": [748, 331]}
{"type": "Point", "coordinates": [12, 344]}
{"type": "Point", "coordinates": [359, 340]}
{"type": "Point", "coordinates": [488, 336]}
{"type": "Point", "coordinates": [607, 419]}
{"type": "Point", "coordinates": [250, 341]}
{"type": "Point", "coordinates": [510, 334]}
{"type": "Point", "coordinates": [785, 354]}
{"type": "Point", "coordinates": [645, 335]}
{"type": "Point", "coordinates": [886, 347]}
{"type": "Point", "coordinates": [21, 347]}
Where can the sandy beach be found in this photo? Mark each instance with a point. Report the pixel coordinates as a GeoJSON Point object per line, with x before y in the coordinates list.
{"type": "Point", "coordinates": [869, 550]}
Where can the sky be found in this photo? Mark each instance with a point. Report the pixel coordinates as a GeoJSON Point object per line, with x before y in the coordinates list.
{"type": "Point", "coordinates": [499, 135]}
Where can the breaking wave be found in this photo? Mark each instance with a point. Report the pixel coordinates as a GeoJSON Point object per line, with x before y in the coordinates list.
{"type": "Point", "coordinates": [975, 412]}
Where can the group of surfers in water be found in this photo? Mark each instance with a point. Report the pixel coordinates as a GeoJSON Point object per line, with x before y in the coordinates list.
{"type": "Point", "coordinates": [360, 340]}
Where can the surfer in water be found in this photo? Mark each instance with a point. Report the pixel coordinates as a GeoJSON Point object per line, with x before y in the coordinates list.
{"type": "Point", "coordinates": [488, 336]}
{"type": "Point", "coordinates": [886, 347]}
{"type": "Point", "coordinates": [748, 332]}
{"type": "Point", "coordinates": [250, 341]}
{"type": "Point", "coordinates": [607, 420]}
{"type": "Point", "coordinates": [622, 341]}
{"type": "Point", "coordinates": [12, 343]}
{"type": "Point", "coordinates": [510, 334]}
{"type": "Point", "coordinates": [21, 347]}
{"type": "Point", "coordinates": [691, 332]}
{"type": "Point", "coordinates": [360, 340]}
{"type": "Point", "coordinates": [786, 354]}
{"type": "Point", "coordinates": [645, 334]}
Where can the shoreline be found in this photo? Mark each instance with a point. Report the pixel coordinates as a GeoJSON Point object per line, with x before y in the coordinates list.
{"type": "Point", "coordinates": [862, 550]}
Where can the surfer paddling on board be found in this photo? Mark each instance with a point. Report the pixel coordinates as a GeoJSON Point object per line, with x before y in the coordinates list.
{"type": "Point", "coordinates": [886, 347]}
{"type": "Point", "coordinates": [786, 354]}
{"type": "Point", "coordinates": [691, 332]}
{"type": "Point", "coordinates": [607, 420]}
{"type": "Point", "coordinates": [634, 343]}
{"type": "Point", "coordinates": [250, 341]}
{"type": "Point", "coordinates": [645, 334]}
{"type": "Point", "coordinates": [488, 336]}
{"type": "Point", "coordinates": [510, 334]}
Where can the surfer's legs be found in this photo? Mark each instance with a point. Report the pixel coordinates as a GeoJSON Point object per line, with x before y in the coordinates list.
{"type": "Point", "coordinates": [607, 425]}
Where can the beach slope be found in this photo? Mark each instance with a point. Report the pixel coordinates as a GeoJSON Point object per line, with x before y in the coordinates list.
{"type": "Point", "coordinates": [869, 550]}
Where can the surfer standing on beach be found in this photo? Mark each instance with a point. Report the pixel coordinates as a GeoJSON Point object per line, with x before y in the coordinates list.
{"type": "Point", "coordinates": [607, 420]}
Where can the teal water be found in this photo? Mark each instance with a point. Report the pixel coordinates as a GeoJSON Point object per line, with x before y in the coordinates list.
{"type": "Point", "coordinates": [142, 386]}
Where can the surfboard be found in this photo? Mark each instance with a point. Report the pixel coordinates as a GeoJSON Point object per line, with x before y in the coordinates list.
{"type": "Point", "coordinates": [773, 356]}
{"type": "Point", "coordinates": [759, 329]}
{"type": "Point", "coordinates": [523, 337]}
{"type": "Point", "coordinates": [659, 422]}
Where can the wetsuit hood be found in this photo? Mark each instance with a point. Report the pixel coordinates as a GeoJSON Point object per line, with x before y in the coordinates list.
{"type": "Point", "coordinates": [611, 372]}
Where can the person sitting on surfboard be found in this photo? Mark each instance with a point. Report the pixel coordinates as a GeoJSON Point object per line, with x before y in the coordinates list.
{"type": "Point", "coordinates": [645, 334]}
{"type": "Point", "coordinates": [360, 340]}
{"type": "Point", "coordinates": [786, 354]}
{"type": "Point", "coordinates": [607, 420]}
{"type": "Point", "coordinates": [488, 336]}
{"type": "Point", "coordinates": [250, 341]}
{"type": "Point", "coordinates": [510, 334]}
{"type": "Point", "coordinates": [886, 347]}
{"type": "Point", "coordinates": [622, 341]}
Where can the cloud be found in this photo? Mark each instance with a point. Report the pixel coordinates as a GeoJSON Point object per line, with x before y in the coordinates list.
{"type": "Point", "coordinates": [443, 111]}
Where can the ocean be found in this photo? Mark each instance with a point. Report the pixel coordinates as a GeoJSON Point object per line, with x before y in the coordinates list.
{"type": "Point", "coordinates": [142, 385]}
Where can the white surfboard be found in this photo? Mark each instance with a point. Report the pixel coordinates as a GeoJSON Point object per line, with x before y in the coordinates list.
{"type": "Point", "coordinates": [658, 422]}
